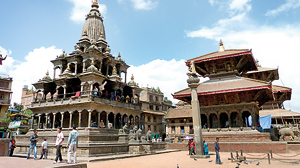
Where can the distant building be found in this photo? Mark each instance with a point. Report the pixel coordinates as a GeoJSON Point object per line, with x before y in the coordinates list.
{"type": "Point", "coordinates": [5, 94]}
{"type": "Point", "coordinates": [28, 96]}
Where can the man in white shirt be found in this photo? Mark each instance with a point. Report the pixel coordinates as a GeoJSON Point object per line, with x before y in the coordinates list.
{"type": "Point", "coordinates": [59, 140]}
{"type": "Point", "coordinates": [44, 149]}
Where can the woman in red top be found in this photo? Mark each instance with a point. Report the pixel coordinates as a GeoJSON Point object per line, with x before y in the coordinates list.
{"type": "Point", "coordinates": [12, 146]}
{"type": "Point", "coordinates": [193, 148]}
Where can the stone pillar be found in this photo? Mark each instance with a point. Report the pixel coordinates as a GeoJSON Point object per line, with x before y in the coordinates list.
{"type": "Point", "coordinates": [83, 67]}
{"type": "Point", "coordinates": [241, 123]}
{"type": "Point", "coordinates": [193, 83]}
{"type": "Point", "coordinates": [229, 120]}
{"type": "Point", "coordinates": [70, 124]}
{"type": "Point", "coordinates": [219, 120]}
{"type": "Point", "coordinates": [46, 120]}
{"type": "Point", "coordinates": [54, 73]}
{"type": "Point", "coordinates": [107, 67]}
{"type": "Point", "coordinates": [76, 68]}
{"type": "Point", "coordinates": [91, 89]}
{"type": "Point", "coordinates": [32, 120]}
{"type": "Point", "coordinates": [65, 91]}
{"type": "Point", "coordinates": [115, 121]}
{"type": "Point", "coordinates": [208, 121]}
{"type": "Point", "coordinates": [79, 122]}
{"type": "Point", "coordinates": [62, 120]}
{"type": "Point", "coordinates": [125, 77]}
{"type": "Point", "coordinates": [100, 67]}
{"type": "Point", "coordinates": [39, 121]}
{"type": "Point", "coordinates": [53, 125]}
{"type": "Point", "coordinates": [90, 118]}
{"type": "Point", "coordinates": [61, 70]}
{"type": "Point", "coordinates": [98, 119]}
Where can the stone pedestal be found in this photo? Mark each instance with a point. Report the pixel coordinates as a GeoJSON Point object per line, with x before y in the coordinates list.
{"type": "Point", "coordinates": [148, 148]}
{"type": "Point", "coordinates": [4, 144]}
{"type": "Point", "coordinates": [136, 149]}
{"type": "Point", "coordinates": [123, 138]}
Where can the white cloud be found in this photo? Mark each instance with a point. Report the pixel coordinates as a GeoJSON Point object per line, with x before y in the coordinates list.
{"type": "Point", "coordinates": [169, 76]}
{"type": "Point", "coordinates": [82, 8]}
{"type": "Point", "coordinates": [240, 5]}
{"type": "Point", "coordinates": [212, 2]}
{"type": "Point", "coordinates": [272, 45]}
{"type": "Point", "coordinates": [36, 64]}
{"type": "Point", "coordinates": [290, 4]}
{"type": "Point", "coordinates": [144, 4]}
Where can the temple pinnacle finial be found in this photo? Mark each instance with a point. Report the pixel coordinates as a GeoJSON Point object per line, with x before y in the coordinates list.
{"type": "Point", "coordinates": [221, 47]}
{"type": "Point", "coordinates": [119, 54]}
{"type": "Point", "coordinates": [47, 73]}
{"type": "Point", "coordinates": [95, 4]}
{"type": "Point", "coordinates": [132, 77]}
{"type": "Point", "coordinates": [92, 63]}
{"type": "Point", "coordinates": [68, 68]}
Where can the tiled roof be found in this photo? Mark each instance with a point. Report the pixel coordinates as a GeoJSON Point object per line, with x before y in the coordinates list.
{"type": "Point", "coordinates": [277, 88]}
{"type": "Point", "coordinates": [233, 84]}
{"type": "Point", "coordinates": [222, 54]}
{"type": "Point", "coordinates": [180, 112]}
{"type": "Point", "coordinates": [278, 113]}
{"type": "Point", "coordinates": [262, 69]}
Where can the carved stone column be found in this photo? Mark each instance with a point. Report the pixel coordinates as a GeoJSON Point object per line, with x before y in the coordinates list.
{"type": "Point", "coordinates": [62, 120]}
{"type": "Point", "coordinates": [65, 91]}
{"type": "Point", "coordinates": [32, 120]}
{"type": "Point", "coordinates": [229, 120]}
{"type": "Point", "coordinates": [79, 122]}
{"type": "Point", "coordinates": [90, 118]}
{"type": "Point", "coordinates": [126, 77]}
{"type": "Point", "coordinates": [70, 124]}
{"type": "Point", "coordinates": [53, 125]}
{"type": "Point", "coordinates": [39, 121]}
{"type": "Point", "coordinates": [98, 119]}
{"type": "Point", "coordinates": [46, 120]}
{"type": "Point", "coordinates": [83, 67]}
{"type": "Point", "coordinates": [107, 120]}
{"type": "Point", "coordinates": [54, 73]}
{"type": "Point", "coordinates": [193, 82]}
{"type": "Point", "coordinates": [115, 125]}
{"type": "Point", "coordinates": [219, 120]}
{"type": "Point", "coordinates": [76, 68]}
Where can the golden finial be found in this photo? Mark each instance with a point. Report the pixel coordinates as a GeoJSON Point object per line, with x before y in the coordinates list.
{"type": "Point", "coordinates": [107, 49]}
{"type": "Point", "coordinates": [68, 68]}
{"type": "Point", "coordinates": [92, 63]}
{"type": "Point", "coordinates": [47, 73]}
{"type": "Point", "coordinates": [114, 70]}
{"type": "Point", "coordinates": [95, 2]}
{"type": "Point", "coordinates": [119, 54]}
{"type": "Point", "coordinates": [94, 42]}
{"type": "Point", "coordinates": [101, 33]}
{"type": "Point", "coordinates": [221, 42]}
{"type": "Point", "coordinates": [132, 77]}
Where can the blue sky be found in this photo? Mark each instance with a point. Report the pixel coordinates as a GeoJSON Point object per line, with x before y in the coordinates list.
{"type": "Point", "coordinates": [154, 37]}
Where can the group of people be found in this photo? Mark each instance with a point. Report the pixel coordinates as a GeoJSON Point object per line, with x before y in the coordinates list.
{"type": "Point", "coordinates": [72, 145]}
{"type": "Point", "coordinates": [191, 145]}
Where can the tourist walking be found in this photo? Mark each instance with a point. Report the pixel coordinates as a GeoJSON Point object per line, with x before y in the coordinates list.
{"type": "Point", "coordinates": [33, 140]}
{"type": "Point", "coordinates": [59, 140]}
{"type": "Point", "coordinates": [205, 144]}
{"type": "Point", "coordinates": [217, 149]}
{"type": "Point", "coordinates": [12, 146]}
{"type": "Point", "coordinates": [44, 150]}
{"type": "Point", "coordinates": [72, 143]}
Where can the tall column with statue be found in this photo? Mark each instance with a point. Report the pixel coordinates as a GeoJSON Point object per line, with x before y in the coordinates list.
{"type": "Point", "coordinates": [193, 82]}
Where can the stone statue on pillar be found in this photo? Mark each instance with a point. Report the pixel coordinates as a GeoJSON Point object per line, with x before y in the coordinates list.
{"type": "Point", "coordinates": [193, 82]}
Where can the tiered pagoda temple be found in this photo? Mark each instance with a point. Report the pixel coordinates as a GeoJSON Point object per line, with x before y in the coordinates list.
{"type": "Point", "coordinates": [69, 97]}
{"type": "Point", "coordinates": [237, 88]}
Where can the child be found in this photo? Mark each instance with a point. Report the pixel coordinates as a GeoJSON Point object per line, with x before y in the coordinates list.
{"type": "Point", "coordinates": [44, 149]}
{"type": "Point", "coordinates": [12, 146]}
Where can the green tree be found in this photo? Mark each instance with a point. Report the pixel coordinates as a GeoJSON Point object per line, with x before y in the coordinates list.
{"type": "Point", "coordinates": [18, 106]}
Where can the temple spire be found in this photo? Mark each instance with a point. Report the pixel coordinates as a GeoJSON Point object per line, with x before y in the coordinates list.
{"type": "Point", "coordinates": [221, 47]}
{"type": "Point", "coordinates": [95, 4]}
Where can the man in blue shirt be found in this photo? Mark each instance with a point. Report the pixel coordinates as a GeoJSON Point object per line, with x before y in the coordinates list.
{"type": "Point", "coordinates": [217, 149]}
{"type": "Point", "coordinates": [72, 143]}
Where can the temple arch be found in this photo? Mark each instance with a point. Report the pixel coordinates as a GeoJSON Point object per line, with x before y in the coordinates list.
{"type": "Point", "coordinates": [245, 117]}
{"type": "Point", "coordinates": [213, 118]}
{"type": "Point", "coordinates": [118, 121]}
{"type": "Point", "coordinates": [224, 119]}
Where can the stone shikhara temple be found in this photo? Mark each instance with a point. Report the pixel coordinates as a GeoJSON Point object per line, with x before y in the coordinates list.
{"type": "Point", "coordinates": [237, 88]}
{"type": "Point", "coordinates": [87, 90]}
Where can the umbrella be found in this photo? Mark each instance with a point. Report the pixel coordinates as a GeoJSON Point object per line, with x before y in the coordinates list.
{"type": "Point", "coordinates": [188, 137]}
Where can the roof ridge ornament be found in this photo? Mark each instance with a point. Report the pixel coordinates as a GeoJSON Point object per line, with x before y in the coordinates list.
{"type": "Point", "coordinates": [221, 47]}
{"type": "Point", "coordinates": [95, 4]}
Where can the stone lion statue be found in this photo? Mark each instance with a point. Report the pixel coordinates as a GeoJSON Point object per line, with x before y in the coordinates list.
{"type": "Point", "coordinates": [123, 130]}
{"type": "Point", "coordinates": [147, 137]}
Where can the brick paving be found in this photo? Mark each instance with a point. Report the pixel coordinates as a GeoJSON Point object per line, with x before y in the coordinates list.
{"type": "Point", "coordinates": [165, 160]}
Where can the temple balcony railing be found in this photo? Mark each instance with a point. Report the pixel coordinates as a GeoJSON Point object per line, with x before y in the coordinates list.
{"type": "Point", "coordinates": [72, 98]}
{"type": "Point", "coordinates": [4, 101]}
